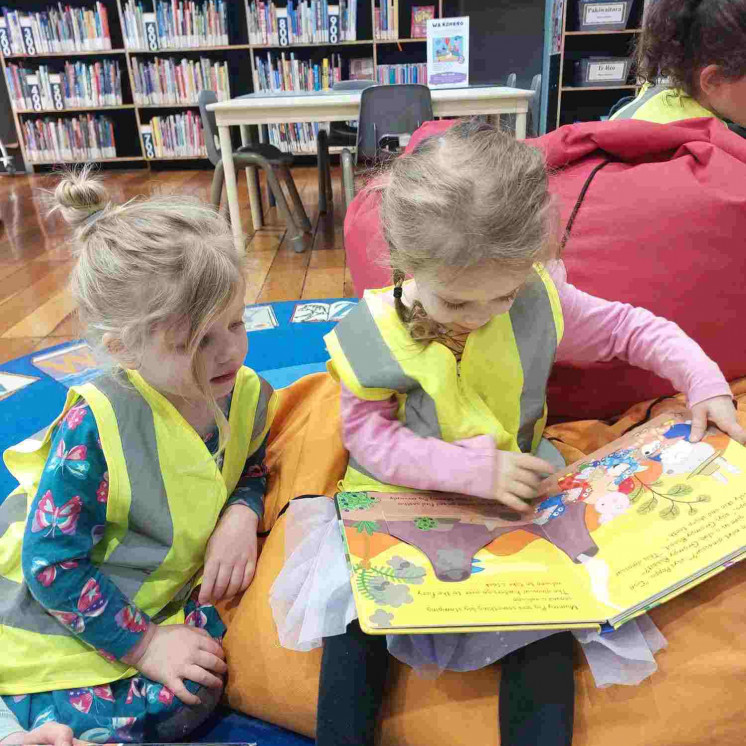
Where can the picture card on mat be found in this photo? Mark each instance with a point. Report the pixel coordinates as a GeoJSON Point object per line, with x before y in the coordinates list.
{"type": "Point", "coordinates": [318, 311]}
{"type": "Point", "coordinates": [256, 318]}
{"type": "Point", "coordinates": [71, 366]}
{"type": "Point", "coordinates": [12, 382]}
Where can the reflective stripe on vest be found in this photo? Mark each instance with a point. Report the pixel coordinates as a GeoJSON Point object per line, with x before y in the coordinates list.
{"type": "Point", "coordinates": [662, 105]}
{"type": "Point", "coordinates": [629, 111]}
{"type": "Point", "coordinates": [369, 355]}
{"type": "Point", "coordinates": [138, 552]}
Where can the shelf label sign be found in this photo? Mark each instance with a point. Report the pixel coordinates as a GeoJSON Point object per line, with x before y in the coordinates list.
{"type": "Point", "coordinates": [151, 31]}
{"type": "Point", "coordinates": [32, 81]}
{"type": "Point", "coordinates": [283, 29]}
{"type": "Point", "coordinates": [607, 72]}
{"type": "Point", "coordinates": [147, 141]}
{"type": "Point", "coordinates": [334, 24]}
{"type": "Point", "coordinates": [5, 47]}
{"type": "Point", "coordinates": [58, 96]}
{"type": "Point", "coordinates": [601, 14]}
{"type": "Point", "coordinates": [27, 32]}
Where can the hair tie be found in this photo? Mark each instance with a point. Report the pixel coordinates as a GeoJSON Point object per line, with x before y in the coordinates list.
{"type": "Point", "coordinates": [93, 217]}
{"type": "Point", "coordinates": [397, 292]}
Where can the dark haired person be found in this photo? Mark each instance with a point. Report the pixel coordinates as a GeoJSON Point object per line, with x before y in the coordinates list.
{"type": "Point", "coordinates": [699, 48]}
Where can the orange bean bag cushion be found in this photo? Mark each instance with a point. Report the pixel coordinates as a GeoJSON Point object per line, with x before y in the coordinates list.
{"type": "Point", "coordinates": [696, 697]}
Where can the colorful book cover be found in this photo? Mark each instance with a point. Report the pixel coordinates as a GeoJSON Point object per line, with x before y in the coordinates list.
{"type": "Point", "coordinates": [421, 14]}
{"type": "Point", "coordinates": [625, 529]}
{"type": "Point", "coordinates": [319, 311]}
{"type": "Point", "coordinates": [71, 366]}
{"type": "Point", "coordinates": [257, 318]}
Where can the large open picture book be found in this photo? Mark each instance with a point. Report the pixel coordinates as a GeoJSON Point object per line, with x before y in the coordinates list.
{"type": "Point", "coordinates": [625, 529]}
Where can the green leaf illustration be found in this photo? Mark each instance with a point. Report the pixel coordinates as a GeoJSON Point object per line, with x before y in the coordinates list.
{"type": "Point", "coordinates": [648, 506]}
{"type": "Point", "coordinates": [669, 513]}
{"type": "Point", "coordinates": [680, 490]}
{"type": "Point", "coordinates": [704, 499]}
{"type": "Point", "coordinates": [425, 523]}
{"type": "Point", "coordinates": [366, 527]}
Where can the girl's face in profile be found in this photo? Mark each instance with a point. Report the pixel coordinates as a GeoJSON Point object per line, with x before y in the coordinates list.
{"type": "Point", "coordinates": [466, 299]}
{"type": "Point", "coordinates": [166, 363]}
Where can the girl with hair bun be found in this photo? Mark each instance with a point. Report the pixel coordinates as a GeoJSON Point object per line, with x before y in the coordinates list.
{"type": "Point", "coordinates": [140, 507]}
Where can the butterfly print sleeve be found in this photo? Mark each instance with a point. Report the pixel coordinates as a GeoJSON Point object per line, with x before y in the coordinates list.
{"type": "Point", "coordinates": [252, 485]}
{"type": "Point", "coordinates": [66, 521]}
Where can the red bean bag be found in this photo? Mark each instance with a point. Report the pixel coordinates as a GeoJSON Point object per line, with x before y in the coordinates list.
{"type": "Point", "coordinates": [661, 226]}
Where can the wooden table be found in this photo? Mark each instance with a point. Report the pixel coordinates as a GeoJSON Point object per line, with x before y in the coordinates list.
{"type": "Point", "coordinates": [331, 106]}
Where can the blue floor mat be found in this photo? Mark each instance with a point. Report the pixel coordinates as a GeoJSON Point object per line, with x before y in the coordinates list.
{"type": "Point", "coordinates": [229, 726]}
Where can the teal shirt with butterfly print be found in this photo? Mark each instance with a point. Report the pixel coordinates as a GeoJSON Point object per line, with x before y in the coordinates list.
{"type": "Point", "coordinates": [67, 520]}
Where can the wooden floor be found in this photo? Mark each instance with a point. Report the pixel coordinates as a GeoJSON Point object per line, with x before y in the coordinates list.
{"type": "Point", "coordinates": [35, 260]}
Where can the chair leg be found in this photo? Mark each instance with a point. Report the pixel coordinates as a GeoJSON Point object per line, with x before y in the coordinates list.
{"type": "Point", "coordinates": [300, 211]}
{"type": "Point", "coordinates": [216, 190]}
{"type": "Point", "coordinates": [348, 177]}
{"type": "Point", "coordinates": [328, 184]}
{"type": "Point", "coordinates": [296, 234]}
{"type": "Point", "coordinates": [322, 151]}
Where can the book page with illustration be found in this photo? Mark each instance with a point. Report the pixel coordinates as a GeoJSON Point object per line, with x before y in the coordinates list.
{"type": "Point", "coordinates": [631, 525]}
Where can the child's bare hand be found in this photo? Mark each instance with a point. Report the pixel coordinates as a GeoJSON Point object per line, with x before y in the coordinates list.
{"type": "Point", "coordinates": [230, 559]}
{"type": "Point", "coordinates": [176, 652]}
{"type": "Point", "coordinates": [720, 411]}
{"type": "Point", "coordinates": [54, 734]}
{"type": "Point", "coordinates": [518, 476]}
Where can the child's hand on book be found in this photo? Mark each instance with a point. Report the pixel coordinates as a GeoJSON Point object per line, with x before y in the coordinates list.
{"type": "Point", "coordinates": [517, 479]}
{"type": "Point", "coordinates": [720, 411]}
{"type": "Point", "coordinates": [175, 652]}
{"type": "Point", "coordinates": [230, 559]}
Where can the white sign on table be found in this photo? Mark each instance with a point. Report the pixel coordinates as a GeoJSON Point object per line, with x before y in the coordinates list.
{"type": "Point", "coordinates": [448, 52]}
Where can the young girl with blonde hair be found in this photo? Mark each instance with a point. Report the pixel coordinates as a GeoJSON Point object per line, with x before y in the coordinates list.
{"type": "Point", "coordinates": [443, 381]}
{"type": "Point", "coordinates": [139, 507]}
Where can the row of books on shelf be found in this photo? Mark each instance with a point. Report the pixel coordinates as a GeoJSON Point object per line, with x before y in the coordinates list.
{"type": "Point", "coordinates": [57, 29]}
{"type": "Point", "coordinates": [85, 137]}
{"type": "Point", "coordinates": [415, 72]}
{"type": "Point", "coordinates": [171, 81]}
{"type": "Point", "coordinates": [174, 136]}
{"type": "Point", "coordinates": [302, 22]}
{"type": "Point", "coordinates": [386, 20]}
{"type": "Point", "coordinates": [280, 73]}
{"type": "Point", "coordinates": [174, 25]}
{"type": "Point", "coordinates": [299, 137]}
{"type": "Point", "coordinates": [78, 84]}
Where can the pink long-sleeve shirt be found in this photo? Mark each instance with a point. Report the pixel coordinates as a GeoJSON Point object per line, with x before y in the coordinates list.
{"type": "Point", "coordinates": [595, 330]}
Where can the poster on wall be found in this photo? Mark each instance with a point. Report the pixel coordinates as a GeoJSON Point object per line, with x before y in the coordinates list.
{"type": "Point", "coordinates": [448, 52]}
{"type": "Point", "coordinates": [558, 12]}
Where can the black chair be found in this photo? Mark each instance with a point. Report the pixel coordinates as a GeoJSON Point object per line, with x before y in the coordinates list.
{"type": "Point", "coordinates": [267, 157]}
{"type": "Point", "coordinates": [389, 114]}
{"type": "Point", "coordinates": [340, 134]}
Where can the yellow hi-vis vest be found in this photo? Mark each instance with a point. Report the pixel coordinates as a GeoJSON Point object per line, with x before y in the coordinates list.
{"type": "Point", "coordinates": [662, 105]}
{"type": "Point", "coordinates": [165, 498]}
{"type": "Point", "coordinates": [497, 389]}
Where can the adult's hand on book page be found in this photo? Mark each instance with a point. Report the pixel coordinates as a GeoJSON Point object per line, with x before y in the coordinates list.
{"type": "Point", "coordinates": [517, 479]}
{"type": "Point", "coordinates": [722, 413]}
